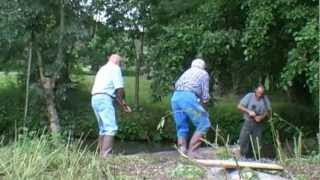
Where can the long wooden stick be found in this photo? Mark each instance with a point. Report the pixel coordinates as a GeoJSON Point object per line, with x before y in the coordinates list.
{"type": "Point", "coordinates": [228, 164]}
{"type": "Point", "coordinates": [231, 164]}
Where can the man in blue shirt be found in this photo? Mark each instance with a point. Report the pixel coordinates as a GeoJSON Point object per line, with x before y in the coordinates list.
{"type": "Point", "coordinates": [189, 102]}
{"type": "Point", "coordinates": [255, 107]}
{"type": "Point", "coordinates": [108, 87]}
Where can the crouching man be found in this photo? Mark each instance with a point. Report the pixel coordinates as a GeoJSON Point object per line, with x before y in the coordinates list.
{"type": "Point", "coordinates": [255, 107]}
{"type": "Point", "coordinates": [108, 87]}
{"type": "Point", "coordinates": [189, 102]}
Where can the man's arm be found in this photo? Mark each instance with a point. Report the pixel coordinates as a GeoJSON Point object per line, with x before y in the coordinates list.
{"type": "Point", "coordinates": [205, 92]}
{"type": "Point", "coordinates": [262, 117]}
{"type": "Point", "coordinates": [119, 86]}
{"type": "Point", "coordinates": [246, 110]}
{"type": "Point", "coordinates": [120, 95]}
{"type": "Point", "coordinates": [267, 113]}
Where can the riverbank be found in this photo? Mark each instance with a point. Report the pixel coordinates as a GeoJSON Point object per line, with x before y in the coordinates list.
{"type": "Point", "coordinates": [46, 158]}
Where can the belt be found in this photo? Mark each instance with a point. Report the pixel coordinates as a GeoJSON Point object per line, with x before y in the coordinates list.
{"type": "Point", "coordinates": [183, 89]}
{"type": "Point", "coordinates": [104, 94]}
{"type": "Point", "coordinates": [186, 90]}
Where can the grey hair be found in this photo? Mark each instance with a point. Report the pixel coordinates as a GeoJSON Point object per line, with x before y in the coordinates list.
{"type": "Point", "coordinates": [199, 63]}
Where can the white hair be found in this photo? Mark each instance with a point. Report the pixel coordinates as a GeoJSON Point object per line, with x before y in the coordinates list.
{"type": "Point", "coordinates": [199, 63]}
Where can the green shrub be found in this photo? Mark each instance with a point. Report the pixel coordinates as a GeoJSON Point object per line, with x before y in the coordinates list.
{"type": "Point", "coordinates": [229, 120]}
{"type": "Point", "coordinates": [187, 172]}
{"type": "Point", "coordinates": [77, 117]}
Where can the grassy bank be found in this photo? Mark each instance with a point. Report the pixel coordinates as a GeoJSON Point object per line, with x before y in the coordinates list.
{"type": "Point", "coordinates": [41, 157]}
{"type": "Point", "coordinates": [35, 156]}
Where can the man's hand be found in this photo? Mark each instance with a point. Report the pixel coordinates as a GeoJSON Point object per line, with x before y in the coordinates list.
{"type": "Point", "coordinates": [258, 118]}
{"type": "Point", "coordinates": [245, 110]}
{"type": "Point", "coordinates": [205, 105]}
{"type": "Point", "coordinates": [261, 117]}
{"type": "Point", "coordinates": [121, 102]}
{"type": "Point", "coordinates": [127, 108]}
{"type": "Point", "coordinates": [252, 113]}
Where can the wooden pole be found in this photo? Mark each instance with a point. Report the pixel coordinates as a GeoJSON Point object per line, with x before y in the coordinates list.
{"type": "Point", "coordinates": [232, 164]}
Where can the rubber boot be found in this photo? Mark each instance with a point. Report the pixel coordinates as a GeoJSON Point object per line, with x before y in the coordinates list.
{"type": "Point", "coordinates": [100, 145]}
{"type": "Point", "coordinates": [106, 147]}
{"type": "Point", "coordinates": [194, 145]}
{"type": "Point", "coordinates": [182, 145]}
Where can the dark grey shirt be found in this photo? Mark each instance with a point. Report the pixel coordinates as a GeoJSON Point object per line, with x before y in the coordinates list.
{"type": "Point", "coordinates": [259, 106]}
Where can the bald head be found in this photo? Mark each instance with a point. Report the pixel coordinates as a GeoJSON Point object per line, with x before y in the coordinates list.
{"type": "Point", "coordinates": [115, 59]}
{"type": "Point", "coordinates": [199, 63]}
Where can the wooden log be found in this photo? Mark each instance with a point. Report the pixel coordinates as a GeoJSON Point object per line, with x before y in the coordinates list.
{"type": "Point", "coordinates": [242, 164]}
{"type": "Point", "coordinates": [228, 164]}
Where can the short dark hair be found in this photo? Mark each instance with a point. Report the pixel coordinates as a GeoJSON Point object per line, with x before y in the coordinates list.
{"type": "Point", "coordinates": [260, 86]}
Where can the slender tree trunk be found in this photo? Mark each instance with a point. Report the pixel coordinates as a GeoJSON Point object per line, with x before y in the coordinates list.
{"type": "Point", "coordinates": [319, 106]}
{"type": "Point", "coordinates": [48, 84]}
{"type": "Point", "coordinates": [27, 85]}
{"type": "Point", "coordinates": [139, 52]}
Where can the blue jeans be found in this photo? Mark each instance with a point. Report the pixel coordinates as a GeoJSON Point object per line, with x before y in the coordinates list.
{"type": "Point", "coordinates": [103, 108]}
{"type": "Point", "coordinates": [185, 107]}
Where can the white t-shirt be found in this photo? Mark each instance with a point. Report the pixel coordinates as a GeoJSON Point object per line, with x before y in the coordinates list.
{"type": "Point", "coordinates": [108, 79]}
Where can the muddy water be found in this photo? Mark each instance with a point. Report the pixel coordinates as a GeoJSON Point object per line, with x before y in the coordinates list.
{"type": "Point", "coordinates": [137, 147]}
{"type": "Point", "coordinates": [134, 147]}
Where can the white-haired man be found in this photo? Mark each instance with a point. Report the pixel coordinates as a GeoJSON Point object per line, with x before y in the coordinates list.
{"type": "Point", "coordinates": [108, 87]}
{"type": "Point", "coordinates": [189, 102]}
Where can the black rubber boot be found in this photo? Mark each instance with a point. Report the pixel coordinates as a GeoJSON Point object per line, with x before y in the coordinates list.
{"type": "Point", "coordinates": [106, 145]}
{"type": "Point", "coordinates": [182, 145]}
{"type": "Point", "coordinates": [194, 145]}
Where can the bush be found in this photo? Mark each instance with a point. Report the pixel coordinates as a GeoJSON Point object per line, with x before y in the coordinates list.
{"type": "Point", "coordinates": [77, 117]}
{"type": "Point", "coordinates": [228, 119]}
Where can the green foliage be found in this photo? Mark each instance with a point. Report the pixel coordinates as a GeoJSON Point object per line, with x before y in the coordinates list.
{"type": "Point", "coordinates": [187, 172]}
{"type": "Point", "coordinates": [130, 130]}
{"type": "Point", "coordinates": [249, 174]}
{"type": "Point", "coordinates": [228, 118]}
{"type": "Point", "coordinates": [243, 42]}
{"type": "Point", "coordinates": [304, 58]}
{"type": "Point", "coordinates": [78, 119]}
{"type": "Point", "coordinates": [251, 38]}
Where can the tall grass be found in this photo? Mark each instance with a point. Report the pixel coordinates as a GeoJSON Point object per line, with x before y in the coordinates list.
{"type": "Point", "coordinates": [297, 138]}
{"type": "Point", "coordinates": [41, 157]}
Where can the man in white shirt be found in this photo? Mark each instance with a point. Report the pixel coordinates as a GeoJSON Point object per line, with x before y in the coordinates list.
{"type": "Point", "coordinates": [108, 87]}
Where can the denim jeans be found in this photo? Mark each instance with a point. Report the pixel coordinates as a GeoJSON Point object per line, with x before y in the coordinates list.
{"type": "Point", "coordinates": [185, 107]}
{"type": "Point", "coordinates": [104, 110]}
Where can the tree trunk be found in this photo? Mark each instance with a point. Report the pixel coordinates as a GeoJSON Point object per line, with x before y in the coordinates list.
{"type": "Point", "coordinates": [48, 84]}
{"type": "Point", "coordinates": [319, 111]}
{"type": "Point", "coordinates": [27, 85]}
{"type": "Point", "coordinates": [139, 52]}
{"type": "Point", "coordinates": [48, 87]}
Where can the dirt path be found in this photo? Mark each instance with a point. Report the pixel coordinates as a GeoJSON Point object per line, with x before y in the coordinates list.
{"type": "Point", "coordinates": [170, 165]}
